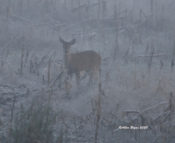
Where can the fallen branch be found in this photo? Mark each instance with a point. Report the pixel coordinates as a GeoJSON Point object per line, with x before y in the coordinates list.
{"type": "Point", "coordinates": [154, 55]}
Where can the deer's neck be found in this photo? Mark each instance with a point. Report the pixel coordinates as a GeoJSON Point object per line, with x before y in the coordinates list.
{"type": "Point", "coordinates": [67, 58]}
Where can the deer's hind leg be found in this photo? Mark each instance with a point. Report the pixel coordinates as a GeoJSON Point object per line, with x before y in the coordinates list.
{"type": "Point", "coordinates": [94, 77]}
{"type": "Point", "coordinates": [91, 78]}
{"type": "Point", "coordinates": [78, 78]}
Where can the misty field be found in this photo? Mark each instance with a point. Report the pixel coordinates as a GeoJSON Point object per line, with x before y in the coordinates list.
{"type": "Point", "coordinates": [51, 92]}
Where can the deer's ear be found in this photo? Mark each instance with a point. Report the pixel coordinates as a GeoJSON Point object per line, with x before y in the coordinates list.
{"type": "Point", "coordinates": [61, 40]}
{"type": "Point", "coordinates": [73, 41]}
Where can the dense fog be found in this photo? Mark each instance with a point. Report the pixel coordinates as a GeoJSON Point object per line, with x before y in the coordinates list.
{"type": "Point", "coordinates": [88, 71]}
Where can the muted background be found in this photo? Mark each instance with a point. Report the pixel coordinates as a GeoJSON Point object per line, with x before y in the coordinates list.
{"type": "Point", "coordinates": [136, 41]}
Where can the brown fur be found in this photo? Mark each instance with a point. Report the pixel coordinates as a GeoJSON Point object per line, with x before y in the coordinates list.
{"type": "Point", "coordinates": [88, 61]}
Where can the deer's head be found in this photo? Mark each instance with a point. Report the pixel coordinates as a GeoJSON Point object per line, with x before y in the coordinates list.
{"type": "Point", "coordinates": [67, 45]}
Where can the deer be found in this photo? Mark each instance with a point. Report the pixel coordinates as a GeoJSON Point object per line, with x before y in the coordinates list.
{"type": "Point", "coordinates": [86, 61]}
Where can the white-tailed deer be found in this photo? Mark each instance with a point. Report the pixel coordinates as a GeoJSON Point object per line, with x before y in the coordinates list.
{"type": "Point", "coordinates": [88, 61]}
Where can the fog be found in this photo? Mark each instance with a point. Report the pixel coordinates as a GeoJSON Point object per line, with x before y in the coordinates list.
{"type": "Point", "coordinates": [79, 70]}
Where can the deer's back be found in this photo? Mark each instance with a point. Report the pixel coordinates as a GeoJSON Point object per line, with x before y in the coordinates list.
{"type": "Point", "coordinates": [84, 61]}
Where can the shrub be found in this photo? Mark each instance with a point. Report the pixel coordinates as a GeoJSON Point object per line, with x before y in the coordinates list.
{"type": "Point", "coordinates": [35, 124]}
